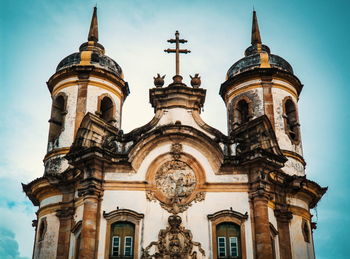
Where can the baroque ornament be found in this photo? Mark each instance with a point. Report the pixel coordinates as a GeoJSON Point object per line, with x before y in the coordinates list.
{"type": "Point", "coordinates": [175, 180]}
{"type": "Point", "coordinates": [174, 242]}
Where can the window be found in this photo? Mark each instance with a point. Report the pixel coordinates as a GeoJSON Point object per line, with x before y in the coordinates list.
{"type": "Point", "coordinates": [243, 112]}
{"type": "Point", "coordinates": [291, 120]}
{"type": "Point", "coordinates": [58, 113]}
{"type": "Point", "coordinates": [222, 246]}
{"type": "Point", "coordinates": [228, 235]}
{"type": "Point", "coordinates": [122, 240]}
{"type": "Point", "coordinates": [106, 109]}
{"type": "Point", "coordinates": [233, 246]}
{"type": "Point", "coordinates": [123, 231]}
{"type": "Point", "coordinates": [115, 246]}
{"type": "Point", "coordinates": [128, 246]}
{"type": "Point", "coordinates": [306, 231]}
{"type": "Point", "coordinates": [42, 229]}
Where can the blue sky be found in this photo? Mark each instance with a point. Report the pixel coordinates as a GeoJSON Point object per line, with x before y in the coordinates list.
{"type": "Point", "coordinates": [312, 35]}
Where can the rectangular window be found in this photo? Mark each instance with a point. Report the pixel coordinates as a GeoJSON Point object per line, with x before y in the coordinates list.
{"type": "Point", "coordinates": [115, 246]}
{"type": "Point", "coordinates": [222, 247]}
{"type": "Point", "coordinates": [233, 246]}
{"type": "Point", "coordinates": [128, 246]}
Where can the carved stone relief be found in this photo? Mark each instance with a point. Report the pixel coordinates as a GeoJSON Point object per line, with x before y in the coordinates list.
{"type": "Point", "coordinates": [174, 242]}
{"type": "Point", "coordinates": [175, 184]}
{"type": "Point", "coordinates": [175, 180]}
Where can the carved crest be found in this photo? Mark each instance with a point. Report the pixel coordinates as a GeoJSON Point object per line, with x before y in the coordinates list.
{"type": "Point", "coordinates": [176, 180]}
{"type": "Point", "coordinates": [174, 242]}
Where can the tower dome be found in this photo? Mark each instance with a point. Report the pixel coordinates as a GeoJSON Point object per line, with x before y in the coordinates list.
{"type": "Point", "coordinates": [258, 55]}
{"type": "Point", "coordinates": [91, 53]}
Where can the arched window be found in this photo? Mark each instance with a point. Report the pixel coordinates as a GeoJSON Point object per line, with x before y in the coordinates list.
{"type": "Point", "coordinates": [228, 240]}
{"type": "Point", "coordinates": [107, 109]}
{"type": "Point", "coordinates": [291, 120]}
{"type": "Point", "coordinates": [243, 111]}
{"type": "Point", "coordinates": [58, 113]}
{"type": "Point", "coordinates": [123, 232]}
{"type": "Point", "coordinates": [228, 234]}
{"type": "Point", "coordinates": [122, 240]}
{"type": "Point", "coordinates": [306, 231]}
{"type": "Point", "coordinates": [42, 229]}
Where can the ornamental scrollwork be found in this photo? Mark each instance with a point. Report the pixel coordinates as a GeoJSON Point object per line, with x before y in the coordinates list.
{"type": "Point", "coordinates": [174, 242]}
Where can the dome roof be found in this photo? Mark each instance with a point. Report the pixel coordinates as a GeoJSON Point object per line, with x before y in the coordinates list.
{"type": "Point", "coordinates": [96, 59]}
{"type": "Point", "coordinates": [254, 59]}
{"type": "Point", "coordinates": [258, 55]}
{"type": "Point", "coordinates": [91, 53]}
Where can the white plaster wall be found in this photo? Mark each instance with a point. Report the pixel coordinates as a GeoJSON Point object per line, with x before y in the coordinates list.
{"type": "Point", "coordinates": [195, 218]}
{"type": "Point", "coordinates": [300, 248]}
{"type": "Point", "coordinates": [56, 164]}
{"type": "Point", "coordinates": [47, 248]}
{"type": "Point", "coordinates": [164, 148]}
{"type": "Point", "coordinates": [171, 115]}
{"type": "Point", "coordinates": [94, 92]}
{"type": "Point", "coordinates": [66, 137]}
{"type": "Point", "coordinates": [51, 200]}
{"type": "Point", "coordinates": [244, 84]}
{"type": "Point", "coordinates": [297, 202]}
{"type": "Point", "coordinates": [293, 166]}
{"type": "Point", "coordinates": [78, 215]}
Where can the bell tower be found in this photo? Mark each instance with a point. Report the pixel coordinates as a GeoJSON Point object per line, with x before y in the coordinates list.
{"type": "Point", "coordinates": [263, 83]}
{"type": "Point", "coordinates": [85, 81]}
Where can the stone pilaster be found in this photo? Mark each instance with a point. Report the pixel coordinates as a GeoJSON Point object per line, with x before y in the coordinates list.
{"type": "Point", "coordinates": [268, 99]}
{"type": "Point", "coordinates": [65, 216]}
{"type": "Point", "coordinates": [81, 100]}
{"type": "Point", "coordinates": [283, 218]}
{"type": "Point", "coordinates": [263, 245]}
{"type": "Point", "coordinates": [91, 192]}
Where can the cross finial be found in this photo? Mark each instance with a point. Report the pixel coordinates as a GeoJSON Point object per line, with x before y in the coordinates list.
{"type": "Point", "coordinates": [177, 50]}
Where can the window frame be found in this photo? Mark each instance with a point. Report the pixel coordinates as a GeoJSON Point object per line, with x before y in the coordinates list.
{"type": "Point", "coordinates": [218, 242]}
{"type": "Point", "coordinates": [123, 215]}
{"type": "Point", "coordinates": [228, 216]}
{"type": "Point", "coordinates": [112, 246]}
{"type": "Point", "coordinates": [237, 247]}
{"type": "Point", "coordinates": [131, 246]}
{"type": "Point", "coordinates": [296, 140]}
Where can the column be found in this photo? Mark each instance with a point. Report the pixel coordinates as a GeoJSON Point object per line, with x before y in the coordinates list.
{"type": "Point", "coordinates": [263, 244]}
{"type": "Point", "coordinates": [91, 192]}
{"type": "Point", "coordinates": [283, 218]}
{"type": "Point", "coordinates": [65, 216]}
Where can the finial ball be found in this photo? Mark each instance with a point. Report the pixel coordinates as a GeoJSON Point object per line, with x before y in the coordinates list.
{"type": "Point", "coordinates": [195, 81]}
{"type": "Point", "coordinates": [159, 80]}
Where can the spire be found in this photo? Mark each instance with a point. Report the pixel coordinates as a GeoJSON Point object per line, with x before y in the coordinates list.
{"type": "Point", "coordinates": [256, 39]}
{"type": "Point", "coordinates": [93, 33]}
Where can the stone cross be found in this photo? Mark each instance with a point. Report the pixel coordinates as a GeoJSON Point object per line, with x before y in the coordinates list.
{"type": "Point", "coordinates": [177, 50]}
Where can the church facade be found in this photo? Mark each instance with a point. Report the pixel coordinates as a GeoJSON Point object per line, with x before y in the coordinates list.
{"type": "Point", "coordinates": [176, 187]}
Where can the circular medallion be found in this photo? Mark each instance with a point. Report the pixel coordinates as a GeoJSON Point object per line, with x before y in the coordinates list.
{"type": "Point", "coordinates": [175, 180]}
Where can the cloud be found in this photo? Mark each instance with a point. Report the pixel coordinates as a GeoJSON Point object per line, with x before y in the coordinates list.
{"type": "Point", "coordinates": [9, 245]}
{"type": "Point", "coordinates": [16, 214]}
